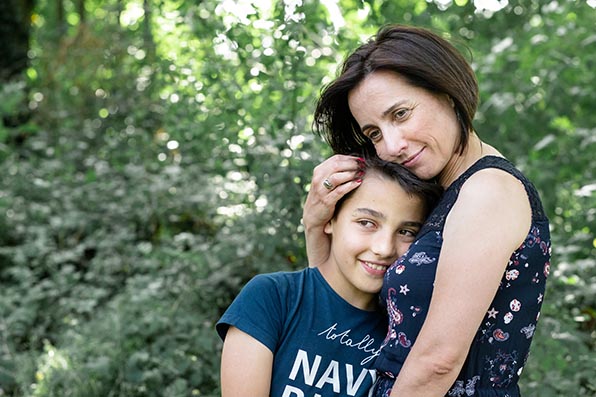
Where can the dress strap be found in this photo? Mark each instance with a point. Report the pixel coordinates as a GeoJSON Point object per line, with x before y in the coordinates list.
{"type": "Point", "coordinates": [436, 219]}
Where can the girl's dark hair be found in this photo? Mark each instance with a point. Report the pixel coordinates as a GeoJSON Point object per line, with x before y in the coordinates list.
{"type": "Point", "coordinates": [428, 192]}
{"type": "Point", "coordinates": [420, 56]}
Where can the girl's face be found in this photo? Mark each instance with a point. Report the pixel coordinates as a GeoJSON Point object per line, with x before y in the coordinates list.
{"type": "Point", "coordinates": [407, 124]}
{"type": "Point", "coordinates": [373, 227]}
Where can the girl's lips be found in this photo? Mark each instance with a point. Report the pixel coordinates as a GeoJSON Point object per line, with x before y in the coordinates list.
{"type": "Point", "coordinates": [374, 269]}
{"type": "Point", "coordinates": [411, 160]}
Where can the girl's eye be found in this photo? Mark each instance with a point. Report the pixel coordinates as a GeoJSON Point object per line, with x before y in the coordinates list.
{"type": "Point", "coordinates": [408, 233]}
{"type": "Point", "coordinates": [366, 223]}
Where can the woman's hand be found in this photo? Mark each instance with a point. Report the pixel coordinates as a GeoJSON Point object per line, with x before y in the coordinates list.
{"type": "Point", "coordinates": [332, 179]}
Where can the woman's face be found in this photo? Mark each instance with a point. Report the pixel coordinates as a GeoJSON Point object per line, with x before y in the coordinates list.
{"type": "Point", "coordinates": [407, 124]}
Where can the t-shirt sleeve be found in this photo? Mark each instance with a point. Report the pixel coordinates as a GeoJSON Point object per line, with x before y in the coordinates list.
{"type": "Point", "coordinates": [257, 311]}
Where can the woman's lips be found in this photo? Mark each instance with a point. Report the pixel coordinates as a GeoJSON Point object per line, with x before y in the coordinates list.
{"type": "Point", "coordinates": [411, 160]}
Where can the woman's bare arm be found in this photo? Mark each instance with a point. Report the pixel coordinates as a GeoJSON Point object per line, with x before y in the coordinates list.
{"type": "Point", "coordinates": [490, 219]}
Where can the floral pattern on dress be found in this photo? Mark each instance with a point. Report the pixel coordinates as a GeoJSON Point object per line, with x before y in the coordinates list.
{"type": "Point", "coordinates": [459, 390]}
{"type": "Point", "coordinates": [493, 365]}
{"type": "Point", "coordinates": [421, 258]}
{"type": "Point", "coordinates": [502, 368]}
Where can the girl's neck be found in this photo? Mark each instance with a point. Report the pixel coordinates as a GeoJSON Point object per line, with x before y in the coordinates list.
{"type": "Point", "coordinates": [350, 293]}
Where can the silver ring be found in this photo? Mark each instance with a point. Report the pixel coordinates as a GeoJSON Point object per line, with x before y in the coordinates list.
{"type": "Point", "coordinates": [328, 185]}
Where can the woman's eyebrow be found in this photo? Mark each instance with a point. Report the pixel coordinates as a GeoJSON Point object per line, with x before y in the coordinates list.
{"type": "Point", "coordinates": [392, 108]}
{"type": "Point", "coordinates": [387, 111]}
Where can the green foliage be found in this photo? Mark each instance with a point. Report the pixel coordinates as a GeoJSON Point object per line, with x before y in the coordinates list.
{"type": "Point", "coordinates": [165, 162]}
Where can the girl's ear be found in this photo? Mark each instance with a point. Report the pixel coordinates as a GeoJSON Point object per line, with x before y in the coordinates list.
{"type": "Point", "coordinates": [329, 227]}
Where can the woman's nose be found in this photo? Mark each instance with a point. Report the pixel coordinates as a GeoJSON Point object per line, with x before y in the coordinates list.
{"type": "Point", "coordinates": [394, 144]}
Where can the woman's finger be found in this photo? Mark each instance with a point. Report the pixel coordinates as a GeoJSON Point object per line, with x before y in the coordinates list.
{"type": "Point", "coordinates": [339, 178]}
{"type": "Point", "coordinates": [335, 164]}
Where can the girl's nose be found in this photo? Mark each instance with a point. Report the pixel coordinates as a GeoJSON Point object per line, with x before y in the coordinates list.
{"type": "Point", "coordinates": [385, 246]}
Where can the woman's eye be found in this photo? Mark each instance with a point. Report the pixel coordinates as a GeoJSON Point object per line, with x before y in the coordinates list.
{"type": "Point", "coordinates": [374, 135]}
{"type": "Point", "coordinates": [400, 113]}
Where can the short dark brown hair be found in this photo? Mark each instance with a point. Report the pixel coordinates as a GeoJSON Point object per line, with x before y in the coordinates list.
{"type": "Point", "coordinates": [420, 56]}
{"type": "Point", "coordinates": [428, 192]}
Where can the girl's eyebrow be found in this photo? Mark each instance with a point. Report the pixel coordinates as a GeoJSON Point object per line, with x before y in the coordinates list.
{"type": "Point", "coordinates": [370, 212]}
{"type": "Point", "coordinates": [413, 223]}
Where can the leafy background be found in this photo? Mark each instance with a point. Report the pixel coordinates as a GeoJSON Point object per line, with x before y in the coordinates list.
{"type": "Point", "coordinates": [154, 155]}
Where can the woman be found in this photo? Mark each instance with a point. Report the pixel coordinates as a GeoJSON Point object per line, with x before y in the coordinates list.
{"type": "Point", "coordinates": [463, 302]}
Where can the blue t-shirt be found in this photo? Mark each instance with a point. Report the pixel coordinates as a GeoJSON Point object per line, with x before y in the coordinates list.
{"type": "Point", "coordinates": [322, 345]}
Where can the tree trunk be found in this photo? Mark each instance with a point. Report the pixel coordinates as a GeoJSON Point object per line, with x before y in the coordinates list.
{"type": "Point", "coordinates": [15, 25]}
{"type": "Point", "coordinates": [81, 10]}
{"type": "Point", "coordinates": [148, 32]}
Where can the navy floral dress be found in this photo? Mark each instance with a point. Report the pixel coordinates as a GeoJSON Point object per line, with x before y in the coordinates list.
{"type": "Point", "coordinates": [500, 348]}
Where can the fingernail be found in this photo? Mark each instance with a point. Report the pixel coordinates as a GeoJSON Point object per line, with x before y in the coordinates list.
{"type": "Point", "coordinates": [358, 180]}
